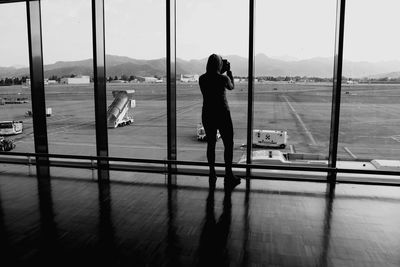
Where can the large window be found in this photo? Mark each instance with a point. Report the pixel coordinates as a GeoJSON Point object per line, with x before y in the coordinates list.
{"type": "Point", "coordinates": [68, 70]}
{"type": "Point", "coordinates": [204, 28]}
{"type": "Point", "coordinates": [136, 71]}
{"type": "Point", "coordinates": [369, 122]}
{"type": "Point", "coordinates": [294, 42]}
{"type": "Point", "coordinates": [15, 91]}
{"type": "Point", "coordinates": [293, 79]}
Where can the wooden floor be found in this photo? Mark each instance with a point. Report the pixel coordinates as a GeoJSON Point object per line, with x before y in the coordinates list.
{"type": "Point", "coordinates": [75, 222]}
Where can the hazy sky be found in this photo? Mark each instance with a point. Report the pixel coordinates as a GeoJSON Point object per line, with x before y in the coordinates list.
{"type": "Point", "coordinates": [136, 28]}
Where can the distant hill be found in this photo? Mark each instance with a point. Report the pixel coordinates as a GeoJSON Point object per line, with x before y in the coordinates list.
{"type": "Point", "coordinates": [391, 75]}
{"type": "Point", "coordinates": [264, 66]}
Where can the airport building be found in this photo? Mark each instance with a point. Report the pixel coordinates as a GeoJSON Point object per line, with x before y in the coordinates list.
{"type": "Point", "coordinates": [118, 174]}
{"type": "Point", "coordinates": [76, 80]}
{"type": "Point", "coordinates": [189, 78]}
{"type": "Point", "coordinates": [148, 79]}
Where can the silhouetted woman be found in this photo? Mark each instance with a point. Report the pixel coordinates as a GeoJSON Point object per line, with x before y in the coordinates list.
{"type": "Point", "coordinates": [216, 114]}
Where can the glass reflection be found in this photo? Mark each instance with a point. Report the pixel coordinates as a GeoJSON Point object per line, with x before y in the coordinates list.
{"type": "Point", "coordinates": [214, 235]}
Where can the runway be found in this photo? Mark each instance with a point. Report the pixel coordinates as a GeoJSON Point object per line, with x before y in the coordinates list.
{"type": "Point", "coordinates": [368, 123]}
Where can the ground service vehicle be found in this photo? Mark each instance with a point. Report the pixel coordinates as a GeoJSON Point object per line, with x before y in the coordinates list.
{"type": "Point", "coordinates": [201, 133]}
{"type": "Point", "coordinates": [269, 138]}
{"type": "Point", "coordinates": [11, 127]}
{"type": "Point", "coordinates": [6, 145]}
{"type": "Point", "coordinates": [120, 111]}
{"type": "Point", "coordinates": [49, 112]}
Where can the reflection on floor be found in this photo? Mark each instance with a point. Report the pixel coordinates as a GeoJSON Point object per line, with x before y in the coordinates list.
{"type": "Point", "coordinates": [76, 222]}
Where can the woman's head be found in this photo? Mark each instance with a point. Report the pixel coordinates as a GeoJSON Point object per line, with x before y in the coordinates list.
{"type": "Point", "coordinates": [214, 64]}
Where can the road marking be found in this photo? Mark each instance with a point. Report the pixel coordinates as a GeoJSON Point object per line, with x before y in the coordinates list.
{"type": "Point", "coordinates": [308, 133]}
{"type": "Point", "coordinates": [376, 137]}
{"type": "Point", "coordinates": [376, 122]}
{"type": "Point", "coordinates": [396, 138]}
{"type": "Point", "coordinates": [64, 129]}
{"type": "Point", "coordinates": [350, 153]}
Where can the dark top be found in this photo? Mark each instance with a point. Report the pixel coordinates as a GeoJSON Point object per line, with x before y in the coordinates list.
{"type": "Point", "coordinates": [212, 86]}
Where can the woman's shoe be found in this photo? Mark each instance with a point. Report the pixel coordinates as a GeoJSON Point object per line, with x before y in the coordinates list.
{"type": "Point", "coordinates": [231, 181]}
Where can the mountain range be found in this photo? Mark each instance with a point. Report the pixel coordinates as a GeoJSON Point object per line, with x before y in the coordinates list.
{"type": "Point", "coordinates": [264, 66]}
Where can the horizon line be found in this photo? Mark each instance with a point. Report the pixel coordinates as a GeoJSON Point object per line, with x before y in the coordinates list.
{"type": "Point", "coordinates": [295, 59]}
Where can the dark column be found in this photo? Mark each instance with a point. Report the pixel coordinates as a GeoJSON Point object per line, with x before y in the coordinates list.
{"type": "Point", "coordinates": [171, 89]}
{"type": "Point", "coordinates": [250, 100]}
{"type": "Point", "coordinates": [106, 229]}
{"type": "Point", "coordinates": [326, 234]}
{"type": "Point", "coordinates": [37, 87]}
{"type": "Point", "coordinates": [173, 247]}
{"type": "Point", "coordinates": [100, 96]}
{"type": "Point", "coordinates": [246, 251]}
{"type": "Point", "coordinates": [336, 92]}
{"type": "Point", "coordinates": [49, 246]}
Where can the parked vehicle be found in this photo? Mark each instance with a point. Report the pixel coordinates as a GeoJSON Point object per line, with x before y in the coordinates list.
{"type": "Point", "coordinates": [49, 112]}
{"type": "Point", "coordinates": [270, 138]}
{"type": "Point", "coordinates": [201, 133]}
{"type": "Point", "coordinates": [6, 144]}
{"type": "Point", "coordinates": [11, 127]}
{"type": "Point", "coordinates": [120, 111]}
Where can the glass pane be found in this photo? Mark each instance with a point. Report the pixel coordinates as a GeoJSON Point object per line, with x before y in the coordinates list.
{"type": "Point", "coordinates": [16, 130]}
{"type": "Point", "coordinates": [68, 71]}
{"type": "Point", "coordinates": [293, 89]}
{"type": "Point", "coordinates": [136, 71]}
{"type": "Point", "coordinates": [369, 123]}
{"type": "Point", "coordinates": [203, 29]}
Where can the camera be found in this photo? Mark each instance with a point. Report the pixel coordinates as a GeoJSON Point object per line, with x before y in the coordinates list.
{"type": "Point", "coordinates": [226, 66]}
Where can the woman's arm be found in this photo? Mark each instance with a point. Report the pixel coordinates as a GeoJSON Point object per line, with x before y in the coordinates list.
{"type": "Point", "coordinates": [230, 84]}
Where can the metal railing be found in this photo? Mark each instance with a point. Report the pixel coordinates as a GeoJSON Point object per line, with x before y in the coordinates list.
{"type": "Point", "coordinates": [288, 173]}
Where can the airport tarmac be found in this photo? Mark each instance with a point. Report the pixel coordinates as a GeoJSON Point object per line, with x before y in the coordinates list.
{"type": "Point", "coordinates": [369, 122]}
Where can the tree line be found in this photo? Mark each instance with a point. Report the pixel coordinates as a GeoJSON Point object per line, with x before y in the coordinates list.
{"type": "Point", "coordinates": [13, 81]}
{"type": "Point", "coordinates": [22, 80]}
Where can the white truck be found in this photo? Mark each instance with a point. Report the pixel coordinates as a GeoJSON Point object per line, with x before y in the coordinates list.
{"type": "Point", "coordinates": [270, 138]}
{"type": "Point", "coordinates": [120, 112]}
{"type": "Point", "coordinates": [11, 127]}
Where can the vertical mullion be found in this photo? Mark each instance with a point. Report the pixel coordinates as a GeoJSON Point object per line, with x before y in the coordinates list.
{"type": "Point", "coordinates": [171, 89]}
{"type": "Point", "coordinates": [336, 92]}
{"type": "Point", "coordinates": [250, 100]}
{"type": "Point", "coordinates": [99, 73]}
{"type": "Point", "coordinates": [37, 87]}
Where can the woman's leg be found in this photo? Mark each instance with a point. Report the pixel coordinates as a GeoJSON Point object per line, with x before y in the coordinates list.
{"type": "Point", "coordinates": [226, 130]}
{"type": "Point", "coordinates": [211, 155]}
{"type": "Point", "coordinates": [211, 133]}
